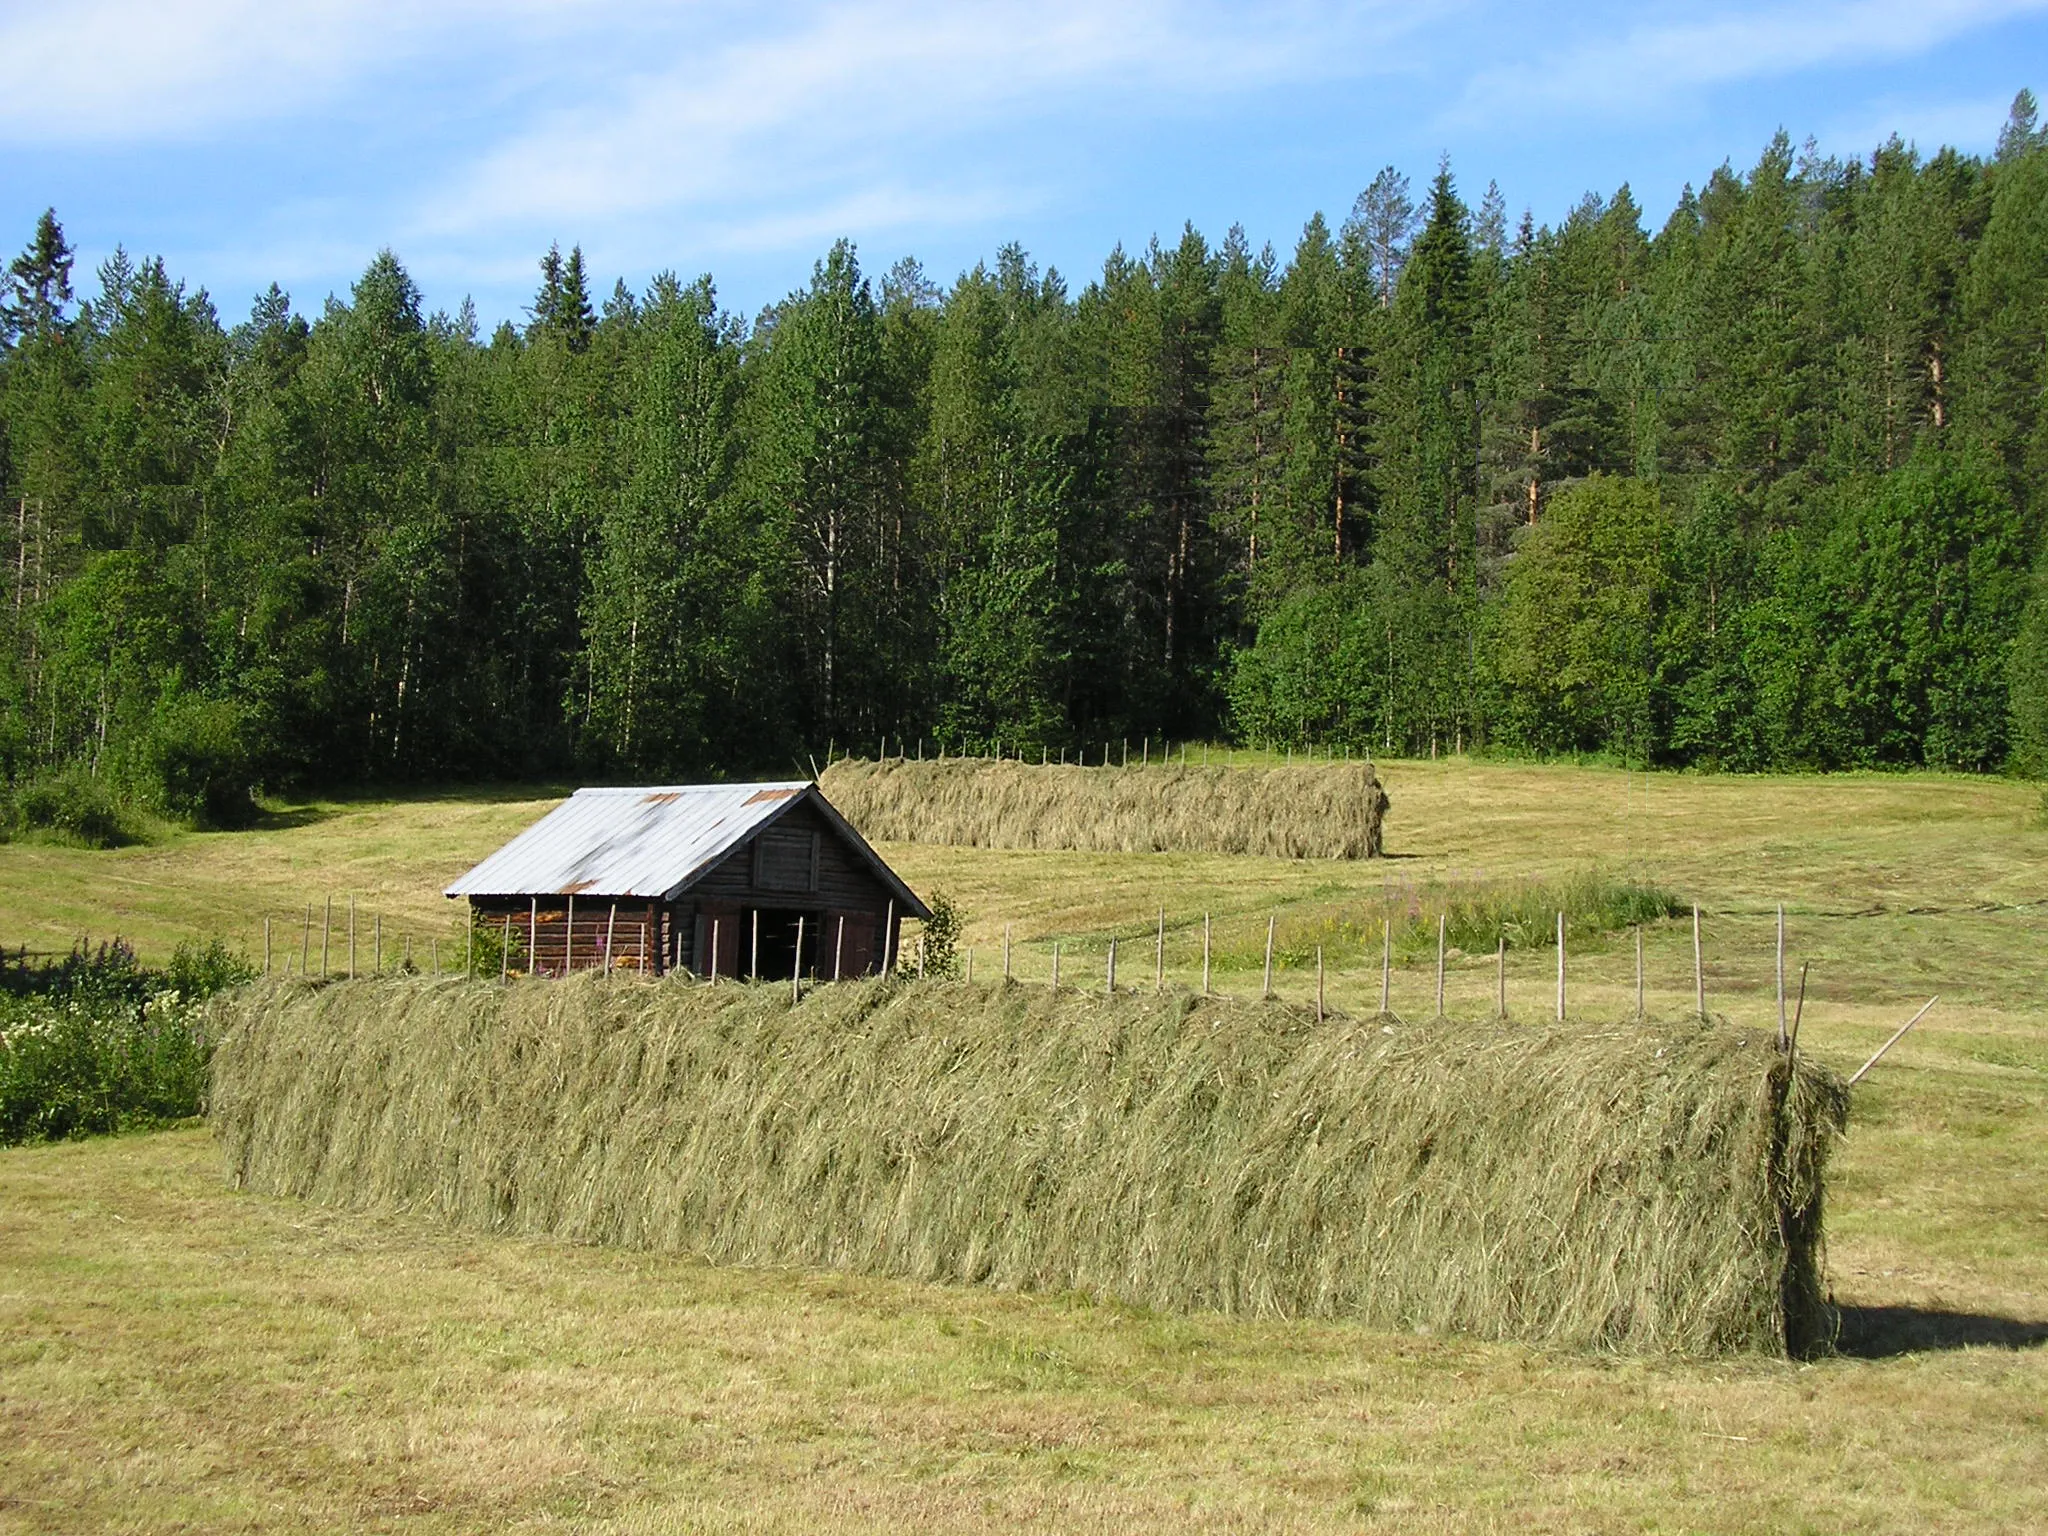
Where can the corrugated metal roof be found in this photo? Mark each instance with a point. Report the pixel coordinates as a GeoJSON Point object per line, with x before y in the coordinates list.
{"type": "Point", "coordinates": [649, 842]}
{"type": "Point", "coordinates": [628, 842]}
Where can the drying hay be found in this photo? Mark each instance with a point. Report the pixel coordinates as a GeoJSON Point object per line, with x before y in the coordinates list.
{"type": "Point", "coordinates": [1622, 1188]}
{"type": "Point", "coordinates": [1319, 811]}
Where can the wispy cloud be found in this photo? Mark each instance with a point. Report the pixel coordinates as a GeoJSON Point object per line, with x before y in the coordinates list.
{"type": "Point", "coordinates": [851, 93]}
{"type": "Point", "coordinates": [1648, 64]}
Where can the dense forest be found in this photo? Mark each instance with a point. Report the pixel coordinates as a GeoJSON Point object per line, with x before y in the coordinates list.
{"type": "Point", "coordinates": [1763, 488]}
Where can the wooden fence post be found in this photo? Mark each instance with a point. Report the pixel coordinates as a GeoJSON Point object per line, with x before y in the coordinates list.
{"type": "Point", "coordinates": [1560, 967]}
{"type": "Point", "coordinates": [1159, 956]}
{"type": "Point", "coordinates": [1639, 971]}
{"type": "Point", "coordinates": [1266, 989]}
{"type": "Point", "coordinates": [306, 942]}
{"type": "Point", "coordinates": [611, 924]}
{"type": "Point", "coordinates": [351, 938]}
{"type": "Point", "coordinates": [1781, 975]}
{"type": "Point", "coordinates": [754, 953]}
{"type": "Point", "coordinates": [1500, 963]}
{"type": "Point", "coordinates": [1006, 951]}
{"type": "Point", "coordinates": [266, 944]}
{"type": "Point", "coordinates": [1319, 983]}
{"type": "Point", "coordinates": [326, 935]}
{"type": "Point", "coordinates": [377, 944]}
{"type": "Point", "coordinates": [1798, 1010]}
{"type": "Point", "coordinates": [1386, 965]}
{"type": "Point", "coordinates": [434, 951]}
{"type": "Point", "coordinates": [888, 940]}
{"type": "Point", "coordinates": [838, 946]}
{"type": "Point", "coordinates": [1699, 970]}
{"type": "Point", "coordinates": [569, 937]}
{"type": "Point", "coordinates": [533, 935]}
{"type": "Point", "coordinates": [1109, 978]}
{"type": "Point", "coordinates": [920, 955]}
{"type": "Point", "coordinates": [505, 952]}
{"type": "Point", "coordinates": [796, 969]}
{"type": "Point", "coordinates": [1205, 954]}
{"type": "Point", "coordinates": [1055, 965]}
{"type": "Point", "coordinates": [1442, 920]}
{"type": "Point", "coordinates": [714, 946]}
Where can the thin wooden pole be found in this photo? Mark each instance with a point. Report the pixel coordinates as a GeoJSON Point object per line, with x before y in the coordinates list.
{"type": "Point", "coordinates": [889, 940]}
{"type": "Point", "coordinates": [714, 947]}
{"type": "Point", "coordinates": [1319, 983]}
{"type": "Point", "coordinates": [796, 970]}
{"type": "Point", "coordinates": [1792, 1044]}
{"type": "Point", "coordinates": [1895, 1039]}
{"type": "Point", "coordinates": [1386, 965]}
{"type": "Point", "coordinates": [1781, 975]}
{"type": "Point", "coordinates": [306, 941]}
{"type": "Point", "coordinates": [469, 942]}
{"type": "Point", "coordinates": [1205, 954]}
{"type": "Point", "coordinates": [643, 947]}
{"type": "Point", "coordinates": [1055, 965]}
{"type": "Point", "coordinates": [406, 963]}
{"type": "Point", "coordinates": [1109, 977]}
{"type": "Point", "coordinates": [754, 953]}
{"type": "Point", "coordinates": [1006, 951]}
{"type": "Point", "coordinates": [1560, 967]}
{"type": "Point", "coordinates": [351, 938]}
{"type": "Point", "coordinates": [569, 938]}
{"type": "Point", "coordinates": [1639, 970]}
{"type": "Point", "coordinates": [434, 951]}
{"type": "Point", "coordinates": [838, 946]}
{"type": "Point", "coordinates": [1159, 955]}
{"type": "Point", "coordinates": [920, 957]}
{"type": "Point", "coordinates": [611, 924]}
{"type": "Point", "coordinates": [1500, 966]}
{"type": "Point", "coordinates": [1266, 990]}
{"type": "Point", "coordinates": [326, 935]}
{"type": "Point", "coordinates": [970, 965]}
{"type": "Point", "coordinates": [1442, 920]}
{"type": "Point", "coordinates": [533, 935]}
{"type": "Point", "coordinates": [377, 944]}
{"type": "Point", "coordinates": [505, 951]}
{"type": "Point", "coordinates": [266, 945]}
{"type": "Point", "coordinates": [1699, 970]}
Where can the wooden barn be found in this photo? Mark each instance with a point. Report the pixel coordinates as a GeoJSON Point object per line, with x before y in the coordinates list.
{"type": "Point", "coordinates": [717, 879]}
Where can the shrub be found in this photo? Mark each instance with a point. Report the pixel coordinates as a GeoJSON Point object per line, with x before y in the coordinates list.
{"type": "Point", "coordinates": [77, 805]}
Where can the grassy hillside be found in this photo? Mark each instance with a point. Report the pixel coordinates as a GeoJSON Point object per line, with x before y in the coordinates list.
{"type": "Point", "coordinates": [175, 1352]}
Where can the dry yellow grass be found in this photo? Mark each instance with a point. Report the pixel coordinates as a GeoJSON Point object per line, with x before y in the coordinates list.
{"type": "Point", "coordinates": [173, 1355]}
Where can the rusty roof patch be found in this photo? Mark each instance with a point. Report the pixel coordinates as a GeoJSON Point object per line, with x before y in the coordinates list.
{"type": "Point", "coordinates": [777, 792]}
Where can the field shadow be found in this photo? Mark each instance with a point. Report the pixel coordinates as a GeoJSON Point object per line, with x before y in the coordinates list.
{"type": "Point", "coordinates": [1877, 1333]}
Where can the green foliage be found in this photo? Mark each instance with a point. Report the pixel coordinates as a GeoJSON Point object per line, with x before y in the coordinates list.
{"type": "Point", "coordinates": [939, 939]}
{"type": "Point", "coordinates": [74, 804]}
{"type": "Point", "coordinates": [1756, 490]}
{"type": "Point", "coordinates": [97, 1043]}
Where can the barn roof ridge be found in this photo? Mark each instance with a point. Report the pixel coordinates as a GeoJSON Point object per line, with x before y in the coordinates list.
{"type": "Point", "coordinates": [666, 838]}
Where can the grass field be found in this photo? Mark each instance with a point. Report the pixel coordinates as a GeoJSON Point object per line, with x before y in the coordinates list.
{"type": "Point", "coordinates": [173, 1355]}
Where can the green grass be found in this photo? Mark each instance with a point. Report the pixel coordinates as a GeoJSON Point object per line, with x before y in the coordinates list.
{"type": "Point", "coordinates": [172, 1353]}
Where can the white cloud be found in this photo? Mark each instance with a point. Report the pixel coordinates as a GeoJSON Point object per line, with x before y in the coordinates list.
{"type": "Point", "coordinates": [1968, 123]}
{"type": "Point", "coordinates": [113, 71]}
{"type": "Point", "coordinates": [820, 107]}
{"type": "Point", "coordinates": [1646, 65]}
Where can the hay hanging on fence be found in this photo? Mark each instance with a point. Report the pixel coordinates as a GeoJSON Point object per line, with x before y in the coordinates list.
{"type": "Point", "coordinates": [1623, 1188]}
{"type": "Point", "coordinates": [1319, 811]}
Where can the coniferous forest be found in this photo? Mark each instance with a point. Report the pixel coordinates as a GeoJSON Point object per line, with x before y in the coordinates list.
{"type": "Point", "coordinates": [1762, 488]}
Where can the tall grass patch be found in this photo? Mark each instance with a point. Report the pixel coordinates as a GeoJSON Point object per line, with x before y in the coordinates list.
{"type": "Point", "coordinates": [1628, 1188]}
{"type": "Point", "coordinates": [1316, 811]}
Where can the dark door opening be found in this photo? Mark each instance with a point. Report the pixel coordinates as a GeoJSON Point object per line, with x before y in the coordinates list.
{"type": "Point", "coordinates": [778, 958]}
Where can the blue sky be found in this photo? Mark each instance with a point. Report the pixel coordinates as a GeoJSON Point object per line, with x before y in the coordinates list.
{"type": "Point", "coordinates": [252, 140]}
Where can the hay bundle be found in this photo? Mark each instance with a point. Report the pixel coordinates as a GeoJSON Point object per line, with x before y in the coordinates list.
{"type": "Point", "coordinates": [1626, 1188]}
{"type": "Point", "coordinates": [1319, 811]}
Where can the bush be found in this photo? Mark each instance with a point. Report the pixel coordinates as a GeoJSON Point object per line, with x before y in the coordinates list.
{"type": "Point", "coordinates": [78, 806]}
{"type": "Point", "coordinates": [939, 940]}
{"type": "Point", "coordinates": [97, 1043]}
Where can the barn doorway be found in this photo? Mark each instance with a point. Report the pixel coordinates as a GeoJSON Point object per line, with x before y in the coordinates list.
{"type": "Point", "coordinates": [778, 959]}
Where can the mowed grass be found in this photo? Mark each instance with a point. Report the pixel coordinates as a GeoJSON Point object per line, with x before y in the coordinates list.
{"type": "Point", "coordinates": [174, 1355]}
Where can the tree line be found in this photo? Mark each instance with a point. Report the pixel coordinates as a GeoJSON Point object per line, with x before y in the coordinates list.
{"type": "Point", "coordinates": [1762, 488]}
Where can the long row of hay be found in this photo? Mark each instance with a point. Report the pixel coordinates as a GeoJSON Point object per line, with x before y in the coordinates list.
{"type": "Point", "coordinates": [1627, 1188]}
{"type": "Point", "coordinates": [1319, 811]}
